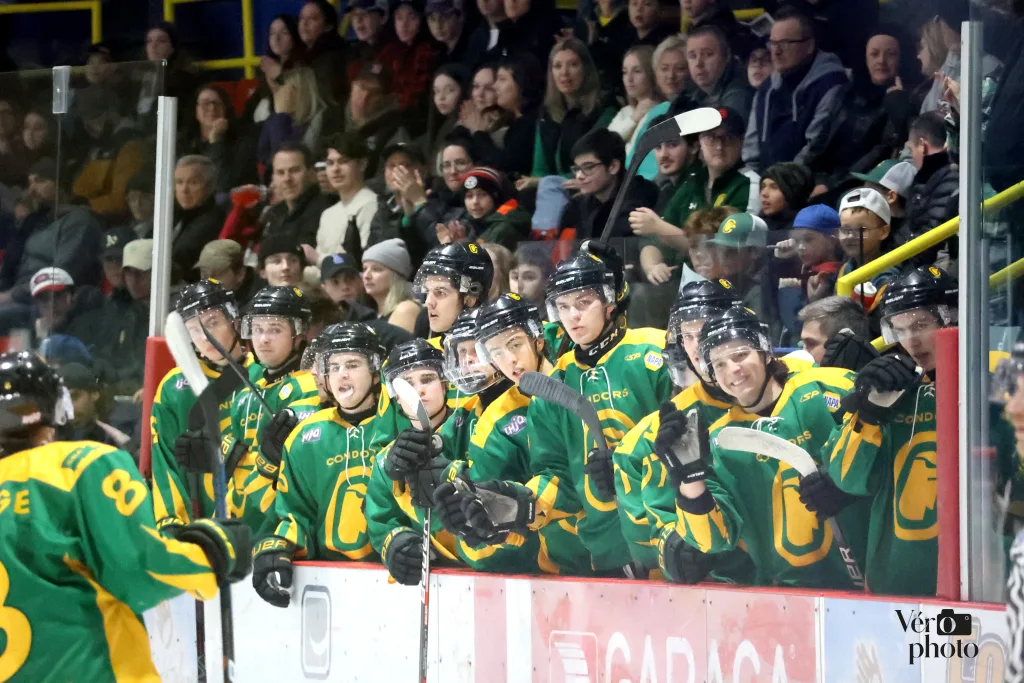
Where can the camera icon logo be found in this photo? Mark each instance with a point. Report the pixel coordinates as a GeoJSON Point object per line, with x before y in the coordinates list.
{"type": "Point", "coordinates": [950, 623]}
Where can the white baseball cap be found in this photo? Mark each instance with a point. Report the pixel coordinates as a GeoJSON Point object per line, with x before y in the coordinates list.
{"type": "Point", "coordinates": [50, 279]}
{"type": "Point", "coordinates": [138, 254]}
{"type": "Point", "coordinates": [872, 200]}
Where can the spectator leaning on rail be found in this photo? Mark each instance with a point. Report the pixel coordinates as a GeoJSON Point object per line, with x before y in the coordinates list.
{"type": "Point", "coordinates": [794, 111]}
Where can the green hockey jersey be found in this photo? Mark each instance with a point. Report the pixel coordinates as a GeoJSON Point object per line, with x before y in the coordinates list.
{"type": "Point", "coordinates": [894, 465]}
{"type": "Point", "coordinates": [80, 561]}
{"type": "Point", "coordinates": [318, 507]}
{"type": "Point", "coordinates": [756, 498]}
{"type": "Point", "coordinates": [169, 418]}
{"type": "Point", "coordinates": [624, 385]}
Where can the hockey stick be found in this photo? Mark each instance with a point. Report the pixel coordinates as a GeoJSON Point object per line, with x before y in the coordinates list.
{"type": "Point", "coordinates": [180, 344]}
{"type": "Point", "coordinates": [777, 448]}
{"type": "Point", "coordinates": [195, 488]}
{"type": "Point", "coordinates": [687, 123]}
{"type": "Point", "coordinates": [238, 369]}
{"type": "Point", "coordinates": [409, 396]}
{"type": "Point", "coordinates": [542, 386]}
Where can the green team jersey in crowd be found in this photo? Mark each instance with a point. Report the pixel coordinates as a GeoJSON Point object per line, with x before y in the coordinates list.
{"type": "Point", "coordinates": [756, 499]}
{"type": "Point", "coordinates": [80, 561]}
{"type": "Point", "coordinates": [894, 464]}
{"type": "Point", "coordinates": [625, 384]}
{"type": "Point", "coordinates": [250, 494]}
{"type": "Point", "coordinates": [169, 418]}
{"type": "Point", "coordinates": [318, 507]}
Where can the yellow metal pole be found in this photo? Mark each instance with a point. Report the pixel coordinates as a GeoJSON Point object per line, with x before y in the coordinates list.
{"type": "Point", "coordinates": [248, 49]}
{"type": "Point", "coordinates": [37, 7]}
{"type": "Point", "coordinates": [97, 22]}
{"type": "Point", "coordinates": [169, 10]}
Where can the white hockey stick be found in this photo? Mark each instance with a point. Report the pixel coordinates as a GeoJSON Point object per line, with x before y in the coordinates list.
{"type": "Point", "coordinates": [411, 399]}
{"type": "Point", "coordinates": [687, 123]}
{"type": "Point", "coordinates": [777, 448]}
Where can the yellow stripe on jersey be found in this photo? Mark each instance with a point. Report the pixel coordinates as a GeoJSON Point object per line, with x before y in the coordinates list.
{"type": "Point", "coordinates": [58, 465]}
{"type": "Point", "coordinates": [511, 400]}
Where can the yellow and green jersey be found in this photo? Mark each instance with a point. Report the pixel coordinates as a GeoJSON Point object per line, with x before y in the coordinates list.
{"type": "Point", "coordinates": [172, 412]}
{"type": "Point", "coordinates": [80, 561]}
{"type": "Point", "coordinates": [318, 507]}
{"type": "Point", "coordinates": [756, 502]}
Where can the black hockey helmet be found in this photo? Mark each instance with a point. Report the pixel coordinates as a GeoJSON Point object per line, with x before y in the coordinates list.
{"type": "Point", "coordinates": [31, 394]}
{"type": "Point", "coordinates": [733, 323]}
{"type": "Point", "coordinates": [697, 300]}
{"type": "Point", "coordinates": [349, 338]}
{"type": "Point", "coordinates": [506, 312]}
{"type": "Point", "coordinates": [408, 355]}
{"type": "Point", "coordinates": [926, 287]}
{"type": "Point", "coordinates": [286, 302]}
{"type": "Point", "coordinates": [580, 271]}
{"type": "Point", "coordinates": [469, 378]}
{"type": "Point", "coordinates": [467, 266]}
{"type": "Point", "coordinates": [204, 295]}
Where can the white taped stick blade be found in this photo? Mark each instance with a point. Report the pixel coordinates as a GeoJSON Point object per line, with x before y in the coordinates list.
{"type": "Point", "coordinates": [698, 120]}
{"type": "Point", "coordinates": [180, 344]}
{"type": "Point", "coordinates": [408, 396]}
{"type": "Point", "coordinates": [762, 443]}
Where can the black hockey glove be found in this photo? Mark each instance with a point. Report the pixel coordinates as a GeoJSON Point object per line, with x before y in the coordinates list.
{"type": "Point", "coordinates": [878, 386]}
{"type": "Point", "coordinates": [275, 434]}
{"type": "Point", "coordinates": [413, 448]}
{"type": "Point", "coordinates": [498, 508]}
{"type": "Point", "coordinates": [448, 499]}
{"type": "Point", "coordinates": [272, 570]}
{"type": "Point", "coordinates": [819, 494]}
{"type": "Point", "coordinates": [194, 450]}
{"type": "Point", "coordinates": [425, 480]}
{"type": "Point", "coordinates": [227, 544]}
{"type": "Point", "coordinates": [601, 471]}
{"type": "Point", "coordinates": [848, 351]}
{"type": "Point", "coordinates": [403, 556]}
{"type": "Point", "coordinates": [680, 562]}
{"type": "Point", "coordinates": [682, 445]}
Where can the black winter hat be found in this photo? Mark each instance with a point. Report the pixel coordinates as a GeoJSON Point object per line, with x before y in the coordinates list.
{"type": "Point", "coordinates": [794, 180]}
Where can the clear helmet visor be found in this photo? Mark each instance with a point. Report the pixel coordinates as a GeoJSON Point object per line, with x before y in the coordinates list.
{"type": "Point", "coordinates": [564, 302]}
{"type": "Point", "coordinates": [917, 323]}
{"type": "Point", "coordinates": [508, 343]}
{"type": "Point", "coordinates": [390, 374]}
{"type": "Point", "coordinates": [465, 367]}
{"type": "Point", "coordinates": [441, 280]}
{"type": "Point", "coordinates": [272, 326]}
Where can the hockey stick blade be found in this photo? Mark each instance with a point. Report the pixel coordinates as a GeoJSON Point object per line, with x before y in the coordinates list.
{"type": "Point", "coordinates": [238, 369]}
{"type": "Point", "coordinates": [542, 386]}
{"type": "Point", "coordinates": [687, 123]}
{"type": "Point", "coordinates": [777, 448]}
{"type": "Point", "coordinates": [412, 400]}
{"type": "Point", "coordinates": [180, 344]}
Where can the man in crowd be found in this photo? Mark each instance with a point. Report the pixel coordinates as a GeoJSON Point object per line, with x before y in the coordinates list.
{"type": "Point", "coordinates": [936, 188]}
{"type": "Point", "coordinates": [198, 219]}
{"type": "Point", "coordinates": [824, 319]}
{"type": "Point", "coordinates": [295, 180]}
{"type": "Point", "coordinates": [720, 79]}
{"type": "Point", "coordinates": [222, 260]}
{"type": "Point", "coordinates": [281, 260]}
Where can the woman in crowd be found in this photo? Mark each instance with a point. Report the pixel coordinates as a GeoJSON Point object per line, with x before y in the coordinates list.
{"type": "Point", "coordinates": [484, 94]}
{"type": "Point", "coordinates": [213, 133]}
{"type": "Point", "coordinates": [386, 272]}
{"type": "Point", "coordinates": [517, 94]}
{"type": "Point", "coordinates": [502, 259]}
{"type": "Point", "coordinates": [176, 79]}
{"type": "Point", "coordinates": [410, 59]}
{"type": "Point", "coordinates": [300, 115]}
{"type": "Point", "coordinates": [285, 51]}
{"type": "Point", "coordinates": [36, 137]}
{"type": "Point", "coordinates": [451, 89]}
{"type": "Point", "coordinates": [641, 96]}
{"type": "Point", "coordinates": [671, 78]}
{"type": "Point", "coordinates": [326, 51]}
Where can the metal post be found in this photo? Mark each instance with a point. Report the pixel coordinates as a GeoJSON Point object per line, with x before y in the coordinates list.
{"type": "Point", "coordinates": [163, 212]}
{"type": "Point", "coordinates": [248, 48]}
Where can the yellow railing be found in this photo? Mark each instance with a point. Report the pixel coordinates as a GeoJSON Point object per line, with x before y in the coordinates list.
{"type": "Point", "coordinates": [92, 6]}
{"type": "Point", "coordinates": [845, 284]}
{"type": "Point", "coordinates": [248, 59]}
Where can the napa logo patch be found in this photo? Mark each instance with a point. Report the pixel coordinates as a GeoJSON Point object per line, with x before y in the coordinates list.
{"type": "Point", "coordinates": [832, 401]}
{"type": "Point", "coordinates": [653, 360]}
{"type": "Point", "coordinates": [311, 436]}
{"type": "Point", "coordinates": [515, 425]}
{"type": "Point", "coordinates": [286, 391]}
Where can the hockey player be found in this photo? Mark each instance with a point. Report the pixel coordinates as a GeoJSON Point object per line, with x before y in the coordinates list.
{"type": "Point", "coordinates": [727, 498]}
{"type": "Point", "coordinates": [175, 422]}
{"type": "Point", "coordinates": [621, 372]}
{"type": "Point", "coordinates": [318, 510]}
{"type": "Point", "coordinates": [394, 523]}
{"type": "Point", "coordinates": [80, 556]}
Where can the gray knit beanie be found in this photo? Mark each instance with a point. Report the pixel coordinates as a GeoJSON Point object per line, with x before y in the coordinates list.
{"type": "Point", "coordinates": [391, 253]}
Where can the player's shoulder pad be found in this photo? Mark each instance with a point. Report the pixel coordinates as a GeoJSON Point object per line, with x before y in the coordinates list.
{"type": "Point", "coordinates": [305, 380]}
{"type": "Point", "coordinates": [60, 464]}
{"type": "Point", "coordinates": [650, 336]}
{"type": "Point", "coordinates": [173, 380]}
{"type": "Point", "coordinates": [648, 423]}
{"type": "Point", "coordinates": [829, 378]}
{"type": "Point", "coordinates": [507, 413]}
{"type": "Point", "coordinates": [688, 396]}
{"type": "Point", "coordinates": [312, 429]}
{"type": "Point", "coordinates": [796, 363]}
{"type": "Point", "coordinates": [435, 342]}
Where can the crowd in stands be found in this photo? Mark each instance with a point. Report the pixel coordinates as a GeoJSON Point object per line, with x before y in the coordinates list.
{"type": "Point", "coordinates": [506, 123]}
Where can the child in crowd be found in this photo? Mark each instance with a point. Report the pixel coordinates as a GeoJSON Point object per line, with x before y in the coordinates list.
{"type": "Point", "coordinates": [785, 189]}
{"type": "Point", "coordinates": [281, 260]}
{"type": "Point", "coordinates": [864, 216]}
{"type": "Point", "coordinates": [815, 243]}
{"type": "Point", "coordinates": [492, 215]}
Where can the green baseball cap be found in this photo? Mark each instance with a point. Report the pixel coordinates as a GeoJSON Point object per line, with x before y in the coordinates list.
{"type": "Point", "coordinates": [741, 230]}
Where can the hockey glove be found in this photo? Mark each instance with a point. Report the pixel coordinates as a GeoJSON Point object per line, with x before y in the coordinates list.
{"type": "Point", "coordinates": [848, 351]}
{"type": "Point", "coordinates": [682, 445]}
{"type": "Point", "coordinates": [498, 508]}
{"type": "Point", "coordinates": [680, 562]}
{"type": "Point", "coordinates": [403, 556]}
{"type": "Point", "coordinates": [425, 480]}
{"type": "Point", "coordinates": [274, 436]}
{"type": "Point", "coordinates": [272, 571]}
{"type": "Point", "coordinates": [819, 494]}
{"type": "Point", "coordinates": [601, 471]}
{"type": "Point", "coordinates": [878, 386]}
{"type": "Point", "coordinates": [227, 544]}
{"type": "Point", "coordinates": [194, 450]}
{"type": "Point", "coordinates": [413, 448]}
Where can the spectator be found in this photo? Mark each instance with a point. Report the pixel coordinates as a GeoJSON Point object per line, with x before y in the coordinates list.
{"type": "Point", "coordinates": [386, 272]}
{"type": "Point", "coordinates": [37, 206]}
{"type": "Point", "coordinates": [893, 179]}
{"type": "Point", "coordinates": [792, 118]}
{"type": "Point", "coordinates": [864, 215]}
{"type": "Point", "coordinates": [517, 93]}
{"type": "Point", "coordinates": [645, 17]}
{"type": "Point", "coordinates": [341, 279]}
{"type": "Point", "coordinates": [950, 15]}
{"type": "Point", "coordinates": [529, 26]}
{"type": "Point", "coordinates": [36, 137]}
{"type": "Point", "coordinates": [785, 189]}
{"type": "Point", "coordinates": [674, 160]}
{"type": "Point", "coordinates": [447, 26]}
{"type": "Point", "coordinates": [177, 78]}
{"type": "Point", "coordinates": [89, 405]}
{"type": "Point", "coordinates": [842, 27]}
{"type": "Point", "coordinates": [718, 78]}
{"type": "Point", "coordinates": [451, 88]}
{"type": "Point", "coordinates": [824, 319]}
{"type": "Point", "coordinates": [410, 59]}
{"type": "Point", "coordinates": [367, 19]}
{"type": "Point", "coordinates": [484, 37]}
{"type": "Point", "coordinates": [285, 51]}
{"type": "Point", "coordinates": [281, 260]}
{"type": "Point", "coordinates": [326, 50]}
{"type": "Point", "coordinates": [815, 242]}
{"type": "Point", "coordinates": [492, 215]}
{"type": "Point", "coordinates": [347, 156]}
{"type": "Point", "coordinates": [529, 274]}
{"type": "Point", "coordinates": [53, 295]}
{"type": "Point", "coordinates": [694, 257]}
{"type": "Point", "coordinates": [101, 160]}
{"type": "Point", "coordinates": [373, 114]}
{"type": "Point", "coordinates": [299, 213]}
{"type": "Point", "coordinates": [701, 257]}
{"type": "Point", "coordinates": [502, 259]}
{"type": "Point", "coordinates": [936, 187]}
{"type": "Point", "coordinates": [483, 94]}
{"type": "Point", "coordinates": [759, 65]}
{"type": "Point", "coordinates": [638, 81]}
{"type": "Point", "coordinates": [301, 115]}
{"type": "Point", "coordinates": [141, 200]}
{"type": "Point", "coordinates": [405, 209]}
{"type": "Point", "coordinates": [671, 77]}
{"type": "Point", "coordinates": [608, 33]}
{"type": "Point", "coordinates": [102, 73]}
{"type": "Point", "coordinates": [197, 219]}
{"type": "Point", "coordinates": [214, 134]}
{"type": "Point", "coordinates": [572, 108]}
{"type": "Point", "coordinates": [599, 166]}
{"type": "Point", "coordinates": [738, 245]}
{"type": "Point", "coordinates": [114, 242]}
{"type": "Point", "coordinates": [223, 260]}
{"type": "Point", "coordinates": [715, 13]}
